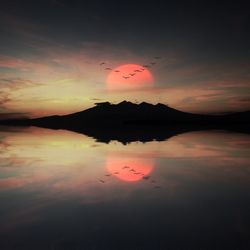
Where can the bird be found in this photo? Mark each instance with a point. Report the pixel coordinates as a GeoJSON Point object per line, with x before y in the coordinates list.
{"type": "Point", "coordinates": [126, 77]}
{"type": "Point", "coordinates": [125, 167]}
{"type": "Point", "coordinates": [133, 74]}
{"type": "Point", "coordinates": [146, 66]}
{"type": "Point", "coordinates": [146, 177]}
{"type": "Point", "coordinates": [108, 69]}
{"type": "Point", "coordinates": [153, 63]}
{"type": "Point", "coordinates": [116, 172]}
{"type": "Point", "coordinates": [102, 181]}
{"type": "Point", "coordinates": [102, 63]}
{"type": "Point", "coordinates": [117, 71]}
{"type": "Point", "coordinates": [137, 70]}
{"type": "Point", "coordinates": [107, 174]}
{"type": "Point", "coordinates": [142, 69]}
{"type": "Point", "coordinates": [132, 170]}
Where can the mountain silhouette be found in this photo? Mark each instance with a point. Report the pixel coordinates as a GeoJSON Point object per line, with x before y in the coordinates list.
{"type": "Point", "coordinates": [128, 121]}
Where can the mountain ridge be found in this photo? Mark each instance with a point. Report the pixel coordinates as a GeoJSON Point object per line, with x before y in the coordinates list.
{"type": "Point", "coordinates": [127, 111]}
{"type": "Point", "coordinates": [128, 122]}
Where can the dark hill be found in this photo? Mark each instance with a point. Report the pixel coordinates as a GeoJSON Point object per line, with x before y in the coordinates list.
{"type": "Point", "coordinates": [127, 121]}
{"type": "Point", "coordinates": [106, 114]}
{"type": "Point", "coordinates": [130, 113]}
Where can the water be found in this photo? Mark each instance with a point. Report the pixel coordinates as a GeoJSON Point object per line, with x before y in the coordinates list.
{"type": "Point", "coordinates": [64, 190]}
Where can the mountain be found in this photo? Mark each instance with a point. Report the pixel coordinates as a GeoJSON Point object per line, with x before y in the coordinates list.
{"type": "Point", "coordinates": [128, 121]}
{"type": "Point", "coordinates": [122, 113]}
{"type": "Point", "coordinates": [125, 112]}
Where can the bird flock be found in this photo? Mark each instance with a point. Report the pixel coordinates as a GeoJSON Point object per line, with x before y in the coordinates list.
{"type": "Point", "coordinates": [136, 71]}
{"type": "Point", "coordinates": [132, 171]}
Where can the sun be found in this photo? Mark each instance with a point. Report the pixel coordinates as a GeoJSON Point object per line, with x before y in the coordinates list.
{"type": "Point", "coordinates": [129, 76]}
{"type": "Point", "coordinates": [129, 169]}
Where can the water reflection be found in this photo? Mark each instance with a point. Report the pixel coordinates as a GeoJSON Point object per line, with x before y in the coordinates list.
{"type": "Point", "coordinates": [128, 168]}
{"type": "Point", "coordinates": [60, 189]}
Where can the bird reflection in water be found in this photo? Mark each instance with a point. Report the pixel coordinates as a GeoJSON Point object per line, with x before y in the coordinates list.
{"type": "Point", "coordinates": [131, 170]}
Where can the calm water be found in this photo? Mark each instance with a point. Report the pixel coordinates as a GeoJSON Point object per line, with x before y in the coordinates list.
{"type": "Point", "coordinates": [63, 190]}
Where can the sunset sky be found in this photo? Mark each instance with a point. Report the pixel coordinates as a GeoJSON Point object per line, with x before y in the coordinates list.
{"type": "Point", "coordinates": [51, 51]}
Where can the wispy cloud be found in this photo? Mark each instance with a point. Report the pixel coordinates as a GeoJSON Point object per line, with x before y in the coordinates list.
{"type": "Point", "coordinates": [8, 88]}
{"type": "Point", "coordinates": [4, 98]}
{"type": "Point", "coordinates": [18, 83]}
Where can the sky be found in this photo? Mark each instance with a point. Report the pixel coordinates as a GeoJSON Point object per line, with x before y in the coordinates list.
{"type": "Point", "coordinates": [51, 55]}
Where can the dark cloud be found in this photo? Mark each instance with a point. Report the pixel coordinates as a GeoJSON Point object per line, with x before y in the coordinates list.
{"type": "Point", "coordinates": [4, 116]}
{"type": "Point", "coordinates": [96, 99]}
{"type": "Point", "coordinates": [204, 28]}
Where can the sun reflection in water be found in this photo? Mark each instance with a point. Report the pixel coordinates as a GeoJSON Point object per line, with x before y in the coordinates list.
{"type": "Point", "coordinates": [128, 168]}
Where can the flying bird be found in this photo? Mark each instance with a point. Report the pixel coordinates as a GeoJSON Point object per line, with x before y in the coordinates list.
{"type": "Point", "coordinates": [137, 70]}
{"type": "Point", "coordinates": [102, 181]}
{"type": "Point", "coordinates": [102, 63]}
{"type": "Point", "coordinates": [153, 63]}
{"type": "Point", "coordinates": [126, 77]}
{"type": "Point", "coordinates": [146, 66]}
{"type": "Point", "coordinates": [117, 71]}
{"type": "Point", "coordinates": [108, 69]}
{"type": "Point", "coordinates": [133, 74]}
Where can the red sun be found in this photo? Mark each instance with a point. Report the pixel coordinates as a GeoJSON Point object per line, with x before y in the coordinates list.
{"type": "Point", "coordinates": [129, 169]}
{"type": "Point", "coordinates": [129, 76]}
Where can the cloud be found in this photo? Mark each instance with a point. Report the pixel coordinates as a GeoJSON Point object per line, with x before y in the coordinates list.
{"type": "Point", "coordinates": [28, 32]}
{"type": "Point", "coordinates": [8, 88]}
{"type": "Point", "coordinates": [11, 62]}
{"type": "Point", "coordinates": [16, 115]}
{"type": "Point", "coordinates": [4, 98]}
{"type": "Point", "coordinates": [17, 83]}
{"type": "Point", "coordinates": [240, 102]}
{"type": "Point", "coordinates": [31, 65]}
{"type": "Point", "coordinates": [96, 99]}
{"type": "Point", "coordinates": [229, 84]}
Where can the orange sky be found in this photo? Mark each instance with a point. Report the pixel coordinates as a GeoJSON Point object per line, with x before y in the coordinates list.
{"type": "Point", "coordinates": [63, 82]}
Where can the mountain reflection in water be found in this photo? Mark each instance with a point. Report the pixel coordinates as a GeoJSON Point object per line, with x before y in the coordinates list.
{"type": "Point", "coordinates": [63, 190]}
